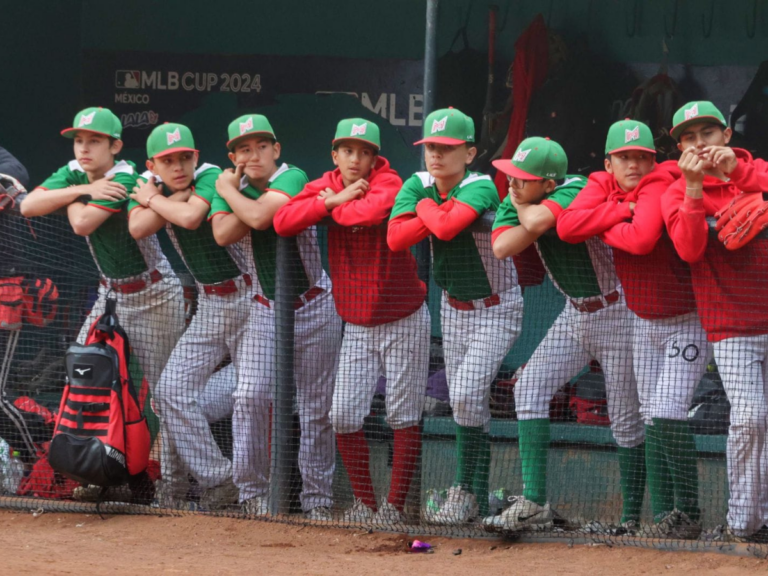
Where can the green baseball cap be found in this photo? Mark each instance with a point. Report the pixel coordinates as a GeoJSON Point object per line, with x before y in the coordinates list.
{"type": "Point", "coordinates": [535, 159]}
{"type": "Point", "coordinates": [694, 113]}
{"type": "Point", "coordinates": [169, 138]}
{"type": "Point", "coordinates": [358, 129]}
{"type": "Point", "coordinates": [98, 120]}
{"type": "Point", "coordinates": [448, 126]}
{"type": "Point", "coordinates": [249, 126]}
{"type": "Point", "coordinates": [629, 135]}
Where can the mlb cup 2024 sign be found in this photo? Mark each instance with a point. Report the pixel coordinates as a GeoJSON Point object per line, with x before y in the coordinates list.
{"type": "Point", "coordinates": [145, 89]}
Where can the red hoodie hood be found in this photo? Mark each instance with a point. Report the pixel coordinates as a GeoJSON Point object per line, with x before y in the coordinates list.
{"type": "Point", "coordinates": [380, 169]}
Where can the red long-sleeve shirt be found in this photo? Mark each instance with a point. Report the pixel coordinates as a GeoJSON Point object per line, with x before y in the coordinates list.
{"type": "Point", "coordinates": [372, 284]}
{"type": "Point", "coordinates": [729, 285]}
{"type": "Point", "coordinates": [657, 283]}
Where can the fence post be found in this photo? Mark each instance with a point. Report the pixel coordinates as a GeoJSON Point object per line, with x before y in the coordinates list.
{"type": "Point", "coordinates": [284, 448]}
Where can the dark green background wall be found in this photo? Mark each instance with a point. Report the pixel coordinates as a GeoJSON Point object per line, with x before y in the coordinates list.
{"type": "Point", "coordinates": [41, 41]}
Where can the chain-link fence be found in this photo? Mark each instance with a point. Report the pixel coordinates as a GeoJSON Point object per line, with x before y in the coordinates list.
{"type": "Point", "coordinates": [321, 377]}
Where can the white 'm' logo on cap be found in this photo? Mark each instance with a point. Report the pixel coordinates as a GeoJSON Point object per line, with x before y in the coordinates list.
{"type": "Point", "coordinates": [86, 119]}
{"type": "Point", "coordinates": [245, 126]}
{"type": "Point", "coordinates": [521, 155]}
{"type": "Point", "coordinates": [630, 135]}
{"type": "Point", "coordinates": [692, 112]}
{"type": "Point", "coordinates": [174, 136]}
{"type": "Point", "coordinates": [359, 130]}
{"type": "Point", "coordinates": [439, 125]}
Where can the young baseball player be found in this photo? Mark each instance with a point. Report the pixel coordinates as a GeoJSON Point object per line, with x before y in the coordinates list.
{"type": "Point", "coordinates": [482, 306]}
{"type": "Point", "coordinates": [594, 324]}
{"type": "Point", "coordinates": [622, 206]}
{"type": "Point", "coordinates": [728, 286]}
{"type": "Point", "coordinates": [379, 295]}
{"type": "Point", "coordinates": [176, 194]}
{"type": "Point", "coordinates": [92, 188]}
{"type": "Point", "coordinates": [241, 213]}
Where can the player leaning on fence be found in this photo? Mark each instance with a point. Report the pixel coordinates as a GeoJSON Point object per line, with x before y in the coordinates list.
{"type": "Point", "coordinates": [246, 201]}
{"type": "Point", "coordinates": [175, 193]}
{"type": "Point", "coordinates": [378, 293]}
{"type": "Point", "coordinates": [728, 276]}
{"type": "Point", "coordinates": [482, 307]}
{"type": "Point", "coordinates": [594, 324]}
{"type": "Point", "coordinates": [622, 207]}
{"type": "Point", "coordinates": [93, 189]}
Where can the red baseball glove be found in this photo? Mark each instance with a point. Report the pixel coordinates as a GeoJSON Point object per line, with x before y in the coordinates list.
{"type": "Point", "coordinates": [743, 219]}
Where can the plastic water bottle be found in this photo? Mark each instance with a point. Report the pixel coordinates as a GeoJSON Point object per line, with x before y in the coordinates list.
{"type": "Point", "coordinates": [11, 468]}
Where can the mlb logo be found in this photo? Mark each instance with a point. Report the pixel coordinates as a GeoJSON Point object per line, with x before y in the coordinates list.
{"type": "Point", "coordinates": [174, 136]}
{"type": "Point", "coordinates": [246, 126]}
{"type": "Point", "coordinates": [359, 130]}
{"type": "Point", "coordinates": [439, 125]}
{"type": "Point", "coordinates": [521, 155]}
{"type": "Point", "coordinates": [86, 119]}
{"type": "Point", "coordinates": [692, 112]}
{"type": "Point", "coordinates": [128, 79]}
{"type": "Point", "coordinates": [630, 135]}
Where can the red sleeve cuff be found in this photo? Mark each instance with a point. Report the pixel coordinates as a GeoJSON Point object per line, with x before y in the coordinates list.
{"type": "Point", "coordinates": [498, 232]}
{"type": "Point", "coordinates": [201, 198]}
{"type": "Point", "coordinates": [216, 213]}
{"type": "Point", "coordinates": [553, 206]}
{"type": "Point", "coordinates": [691, 205]}
{"type": "Point", "coordinates": [319, 207]}
{"type": "Point", "coordinates": [279, 192]}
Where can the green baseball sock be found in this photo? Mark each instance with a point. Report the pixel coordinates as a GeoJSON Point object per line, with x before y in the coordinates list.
{"type": "Point", "coordinates": [482, 473]}
{"type": "Point", "coordinates": [659, 479]}
{"type": "Point", "coordinates": [534, 449]}
{"type": "Point", "coordinates": [681, 453]}
{"type": "Point", "coordinates": [632, 470]}
{"type": "Point", "coordinates": [467, 450]}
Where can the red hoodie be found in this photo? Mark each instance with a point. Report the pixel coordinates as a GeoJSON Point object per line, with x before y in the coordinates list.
{"type": "Point", "coordinates": [729, 285]}
{"type": "Point", "coordinates": [372, 285]}
{"type": "Point", "coordinates": [657, 283]}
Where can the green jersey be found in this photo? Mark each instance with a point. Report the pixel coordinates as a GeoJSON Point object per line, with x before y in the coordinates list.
{"type": "Point", "coordinates": [208, 262]}
{"type": "Point", "coordinates": [117, 255]}
{"type": "Point", "coordinates": [583, 270]}
{"type": "Point", "coordinates": [465, 266]}
{"type": "Point", "coordinates": [257, 251]}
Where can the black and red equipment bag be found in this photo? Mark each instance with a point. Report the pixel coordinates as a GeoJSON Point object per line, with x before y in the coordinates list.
{"type": "Point", "coordinates": [101, 436]}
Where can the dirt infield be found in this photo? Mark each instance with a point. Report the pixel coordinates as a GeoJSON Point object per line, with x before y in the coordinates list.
{"type": "Point", "coordinates": [85, 544]}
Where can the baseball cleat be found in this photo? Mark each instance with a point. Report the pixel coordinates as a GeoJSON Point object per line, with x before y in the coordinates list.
{"type": "Point", "coordinates": [319, 514]}
{"type": "Point", "coordinates": [523, 514]}
{"type": "Point", "coordinates": [460, 507]}
{"type": "Point", "coordinates": [256, 506]}
{"type": "Point", "coordinates": [388, 516]}
{"type": "Point", "coordinates": [677, 524]}
{"type": "Point", "coordinates": [359, 513]}
{"type": "Point", "coordinates": [220, 497]}
{"type": "Point", "coordinates": [168, 495]}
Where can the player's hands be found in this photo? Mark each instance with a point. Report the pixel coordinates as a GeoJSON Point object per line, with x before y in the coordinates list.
{"type": "Point", "coordinates": [144, 192]}
{"type": "Point", "coordinates": [692, 166]}
{"type": "Point", "coordinates": [721, 157]}
{"type": "Point", "coordinates": [229, 180]}
{"type": "Point", "coordinates": [632, 207]}
{"type": "Point", "coordinates": [105, 189]}
{"type": "Point", "coordinates": [351, 192]}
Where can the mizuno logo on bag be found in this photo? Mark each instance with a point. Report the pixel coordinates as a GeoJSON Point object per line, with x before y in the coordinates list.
{"type": "Point", "coordinates": [115, 455]}
{"type": "Point", "coordinates": [83, 370]}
